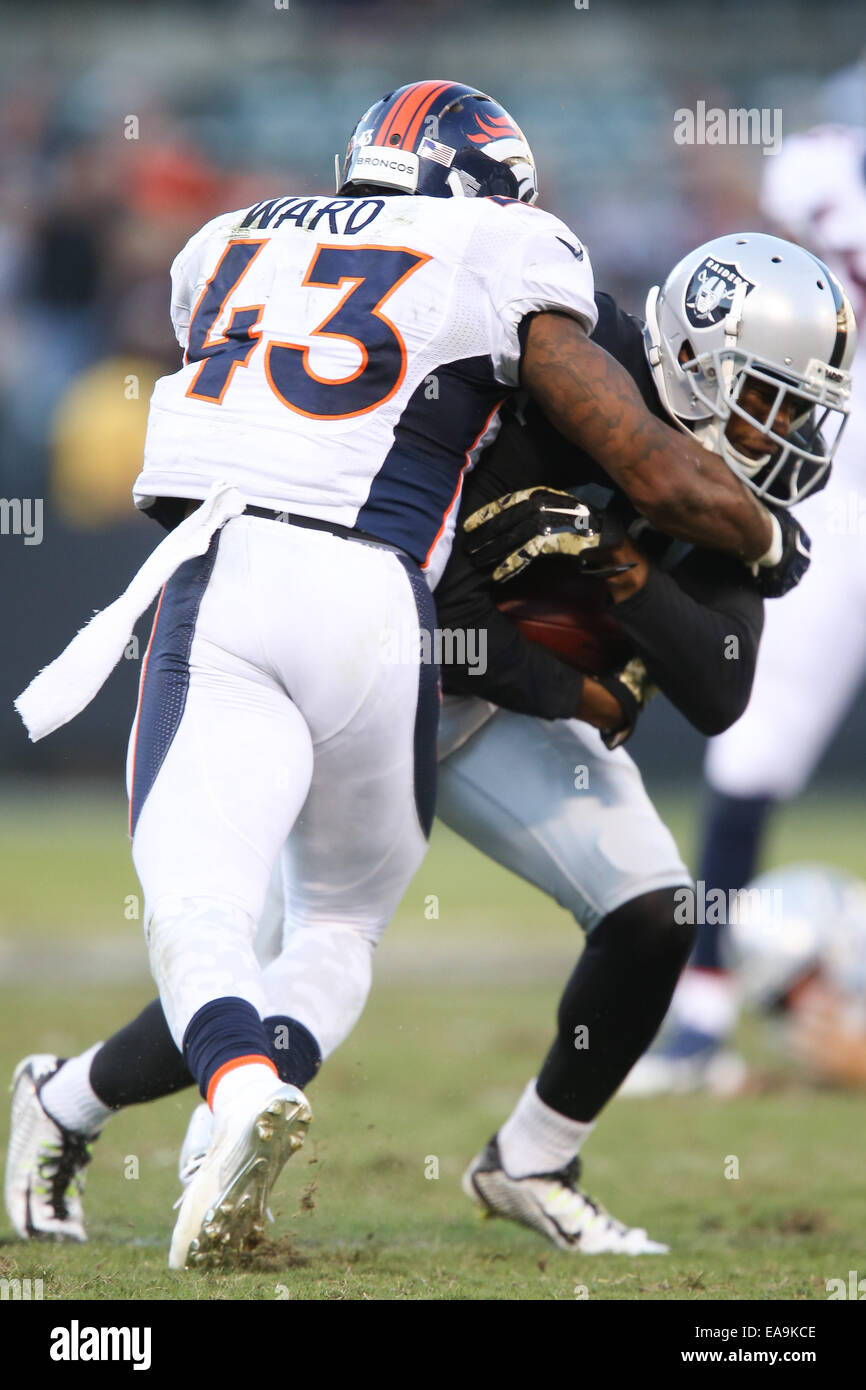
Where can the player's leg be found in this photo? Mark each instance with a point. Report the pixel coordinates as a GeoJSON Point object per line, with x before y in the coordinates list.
{"type": "Point", "coordinates": [141, 1061]}
{"type": "Point", "coordinates": [209, 813]}
{"type": "Point", "coordinates": [374, 747]}
{"type": "Point", "coordinates": [59, 1108]}
{"type": "Point", "coordinates": [220, 763]}
{"type": "Point", "coordinates": [691, 1051]}
{"type": "Point", "coordinates": [379, 772]}
{"type": "Point", "coordinates": [548, 801]}
{"type": "Point", "coordinates": [69, 1101]}
{"type": "Point", "coordinates": [363, 717]}
{"type": "Point", "coordinates": [374, 787]}
{"type": "Point", "coordinates": [320, 959]}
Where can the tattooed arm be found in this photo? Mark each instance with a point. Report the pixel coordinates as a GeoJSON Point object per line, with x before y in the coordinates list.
{"type": "Point", "coordinates": [680, 487]}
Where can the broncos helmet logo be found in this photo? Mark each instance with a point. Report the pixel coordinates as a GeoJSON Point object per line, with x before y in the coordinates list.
{"type": "Point", "coordinates": [494, 128]}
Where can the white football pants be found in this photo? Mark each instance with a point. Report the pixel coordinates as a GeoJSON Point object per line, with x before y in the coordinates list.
{"type": "Point", "coordinates": [284, 708]}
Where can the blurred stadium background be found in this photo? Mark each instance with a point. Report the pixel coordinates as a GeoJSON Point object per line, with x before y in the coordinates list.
{"type": "Point", "coordinates": [230, 102]}
{"type": "Point", "coordinates": [122, 129]}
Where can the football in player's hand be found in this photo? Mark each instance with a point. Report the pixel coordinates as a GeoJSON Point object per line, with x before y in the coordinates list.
{"type": "Point", "coordinates": [569, 613]}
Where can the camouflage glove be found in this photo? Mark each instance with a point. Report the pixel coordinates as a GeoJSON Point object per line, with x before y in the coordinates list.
{"type": "Point", "coordinates": [507, 535]}
{"type": "Point", "coordinates": [633, 688]}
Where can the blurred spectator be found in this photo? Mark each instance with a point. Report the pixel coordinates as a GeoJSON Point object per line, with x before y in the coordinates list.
{"type": "Point", "coordinates": [120, 134]}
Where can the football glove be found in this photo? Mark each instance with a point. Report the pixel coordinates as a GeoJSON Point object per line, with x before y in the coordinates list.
{"type": "Point", "coordinates": [507, 535]}
{"type": "Point", "coordinates": [633, 688]}
{"type": "Point", "coordinates": [779, 578]}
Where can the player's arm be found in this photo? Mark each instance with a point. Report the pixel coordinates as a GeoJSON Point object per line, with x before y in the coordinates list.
{"type": "Point", "coordinates": [508, 670]}
{"type": "Point", "coordinates": [680, 487]}
{"type": "Point", "coordinates": [515, 674]}
{"type": "Point", "coordinates": [697, 629]}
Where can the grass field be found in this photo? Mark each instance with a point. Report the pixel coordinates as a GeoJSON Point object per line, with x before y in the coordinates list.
{"type": "Point", "coordinates": [460, 1016]}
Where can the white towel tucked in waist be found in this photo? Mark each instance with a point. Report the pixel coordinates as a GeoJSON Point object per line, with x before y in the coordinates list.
{"type": "Point", "coordinates": [67, 686]}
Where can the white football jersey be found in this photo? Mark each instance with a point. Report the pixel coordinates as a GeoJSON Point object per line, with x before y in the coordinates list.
{"type": "Point", "coordinates": [346, 358]}
{"type": "Point", "coordinates": [816, 189]}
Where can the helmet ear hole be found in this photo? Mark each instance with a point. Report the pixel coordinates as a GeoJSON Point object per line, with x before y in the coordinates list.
{"type": "Point", "coordinates": [686, 354]}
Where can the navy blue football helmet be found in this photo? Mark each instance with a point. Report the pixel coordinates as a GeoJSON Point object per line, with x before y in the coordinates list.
{"type": "Point", "coordinates": [440, 140]}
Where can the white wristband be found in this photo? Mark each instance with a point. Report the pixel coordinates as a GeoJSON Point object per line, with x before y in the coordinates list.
{"type": "Point", "coordinates": [773, 554]}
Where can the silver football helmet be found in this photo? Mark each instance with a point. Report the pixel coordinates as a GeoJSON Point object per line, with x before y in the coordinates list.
{"type": "Point", "coordinates": [793, 921]}
{"type": "Point", "coordinates": [751, 313]}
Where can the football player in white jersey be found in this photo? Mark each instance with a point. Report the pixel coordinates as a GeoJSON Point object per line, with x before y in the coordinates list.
{"type": "Point", "coordinates": [797, 951]}
{"type": "Point", "coordinates": [813, 651]}
{"type": "Point", "coordinates": [311, 478]}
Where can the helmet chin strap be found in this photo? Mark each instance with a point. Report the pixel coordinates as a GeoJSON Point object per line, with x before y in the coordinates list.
{"type": "Point", "coordinates": [653, 345]}
{"type": "Point", "coordinates": [732, 332]}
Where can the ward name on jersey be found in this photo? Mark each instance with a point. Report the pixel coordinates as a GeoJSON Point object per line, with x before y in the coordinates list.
{"type": "Point", "coordinates": [346, 358]}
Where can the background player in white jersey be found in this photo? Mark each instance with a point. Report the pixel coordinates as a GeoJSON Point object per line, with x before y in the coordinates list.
{"type": "Point", "coordinates": [797, 952]}
{"type": "Point", "coordinates": [813, 652]}
{"type": "Point", "coordinates": [507, 784]}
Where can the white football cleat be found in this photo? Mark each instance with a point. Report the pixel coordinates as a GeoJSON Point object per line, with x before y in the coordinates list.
{"type": "Point", "coordinates": [196, 1142]}
{"type": "Point", "coordinates": [44, 1162]}
{"type": "Point", "coordinates": [551, 1203]}
{"type": "Point", "coordinates": [222, 1212]}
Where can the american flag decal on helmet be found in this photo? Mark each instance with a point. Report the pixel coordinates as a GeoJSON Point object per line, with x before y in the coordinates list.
{"type": "Point", "coordinates": [431, 149]}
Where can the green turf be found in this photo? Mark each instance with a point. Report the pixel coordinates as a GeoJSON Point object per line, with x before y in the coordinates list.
{"type": "Point", "coordinates": [433, 1067]}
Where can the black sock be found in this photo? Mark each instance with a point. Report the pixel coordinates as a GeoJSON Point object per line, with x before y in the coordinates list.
{"type": "Point", "coordinates": [142, 1063]}
{"type": "Point", "coordinates": [139, 1063]}
{"type": "Point", "coordinates": [734, 827]}
{"type": "Point", "coordinates": [619, 993]}
{"type": "Point", "coordinates": [294, 1050]}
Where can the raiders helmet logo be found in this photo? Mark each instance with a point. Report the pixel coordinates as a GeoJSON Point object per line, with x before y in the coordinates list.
{"type": "Point", "coordinates": [710, 291]}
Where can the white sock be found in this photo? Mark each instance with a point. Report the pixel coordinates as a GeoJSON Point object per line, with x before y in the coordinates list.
{"type": "Point", "coordinates": [70, 1099]}
{"type": "Point", "coordinates": [251, 1082]}
{"type": "Point", "coordinates": [537, 1139]}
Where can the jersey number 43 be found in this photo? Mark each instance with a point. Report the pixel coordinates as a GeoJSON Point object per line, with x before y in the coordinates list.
{"type": "Point", "coordinates": [370, 274]}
